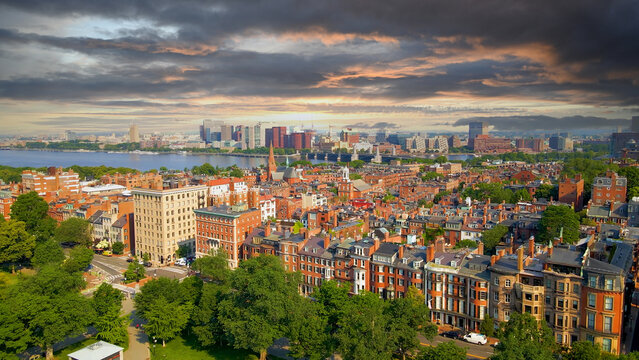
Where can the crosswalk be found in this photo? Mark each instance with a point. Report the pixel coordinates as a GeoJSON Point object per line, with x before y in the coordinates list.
{"type": "Point", "coordinates": [111, 278]}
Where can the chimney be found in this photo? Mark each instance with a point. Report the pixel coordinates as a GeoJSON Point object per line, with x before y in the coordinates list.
{"type": "Point", "coordinates": [306, 233]}
{"type": "Point", "coordinates": [401, 251]}
{"type": "Point", "coordinates": [335, 220]}
{"type": "Point", "coordinates": [483, 219]}
{"type": "Point", "coordinates": [520, 258]}
{"type": "Point", "coordinates": [375, 245]}
{"type": "Point", "coordinates": [278, 227]}
{"type": "Point", "coordinates": [550, 250]}
{"type": "Point", "coordinates": [439, 244]}
{"type": "Point", "coordinates": [327, 241]}
{"type": "Point", "coordinates": [430, 253]}
{"type": "Point", "coordinates": [267, 229]}
{"type": "Point", "coordinates": [493, 260]}
{"type": "Point", "coordinates": [531, 246]}
{"type": "Point", "coordinates": [465, 219]}
{"type": "Point", "coordinates": [480, 248]}
{"type": "Point", "coordinates": [502, 252]}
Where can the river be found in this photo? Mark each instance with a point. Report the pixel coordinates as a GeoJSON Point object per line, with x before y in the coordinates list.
{"type": "Point", "coordinates": [35, 158]}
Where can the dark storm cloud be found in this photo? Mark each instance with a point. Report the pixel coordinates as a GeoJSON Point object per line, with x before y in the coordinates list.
{"type": "Point", "coordinates": [579, 52]}
{"type": "Point", "coordinates": [540, 122]}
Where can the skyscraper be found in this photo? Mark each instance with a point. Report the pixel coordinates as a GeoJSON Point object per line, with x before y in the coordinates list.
{"type": "Point", "coordinates": [134, 135]}
{"type": "Point", "coordinates": [474, 129]}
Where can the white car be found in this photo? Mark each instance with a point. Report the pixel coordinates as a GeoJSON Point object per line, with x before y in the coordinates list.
{"type": "Point", "coordinates": [180, 262]}
{"type": "Point", "coordinates": [475, 338]}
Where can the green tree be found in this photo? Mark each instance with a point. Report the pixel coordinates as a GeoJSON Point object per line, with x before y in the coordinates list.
{"type": "Point", "coordinates": [520, 195]}
{"type": "Point", "coordinates": [406, 318]}
{"type": "Point", "coordinates": [430, 234]}
{"type": "Point", "coordinates": [182, 251]}
{"type": "Point", "coordinates": [492, 237]}
{"type": "Point", "coordinates": [441, 159]}
{"type": "Point", "coordinates": [237, 173]}
{"type": "Point", "coordinates": [15, 335]}
{"type": "Point", "coordinates": [466, 243]}
{"type": "Point", "coordinates": [161, 287]}
{"type": "Point", "coordinates": [431, 175]}
{"type": "Point", "coordinates": [117, 247]}
{"type": "Point", "coordinates": [333, 297]}
{"type": "Point", "coordinates": [48, 252]}
{"type": "Point", "coordinates": [547, 191]}
{"type": "Point", "coordinates": [135, 272]}
{"type": "Point", "coordinates": [443, 351]}
{"type": "Point", "coordinates": [33, 211]}
{"type": "Point", "coordinates": [583, 350]}
{"type": "Point", "coordinates": [214, 266]}
{"type": "Point", "coordinates": [556, 218]}
{"type": "Point", "coordinates": [297, 227]}
{"type": "Point", "coordinates": [632, 175]}
{"type": "Point", "coordinates": [166, 320]}
{"type": "Point", "coordinates": [107, 304]}
{"type": "Point", "coordinates": [205, 318]}
{"type": "Point", "coordinates": [307, 331]}
{"type": "Point", "coordinates": [52, 306]}
{"type": "Point", "coordinates": [487, 326]}
{"type": "Point", "coordinates": [261, 298]}
{"type": "Point", "coordinates": [362, 332]}
{"type": "Point", "coordinates": [388, 197]}
{"type": "Point", "coordinates": [79, 259]}
{"type": "Point", "coordinates": [438, 197]}
{"type": "Point", "coordinates": [75, 231]}
{"type": "Point", "coordinates": [16, 243]}
{"type": "Point", "coordinates": [354, 176]}
{"type": "Point", "coordinates": [357, 164]}
{"type": "Point", "coordinates": [523, 338]}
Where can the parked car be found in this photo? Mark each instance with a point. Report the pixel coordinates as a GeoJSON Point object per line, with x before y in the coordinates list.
{"type": "Point", "coordinates": [180, 262]}
{"type": "Point", "coordinates": [475, 338]}
{"type": "Point", "coordinates": [107, 253]}
{"type": "Point", "coordinates": [453, 334]}
{"type": "Point", "coordinates": [130, 259]}
{"type": "Point", "coordinates": [148, 264]}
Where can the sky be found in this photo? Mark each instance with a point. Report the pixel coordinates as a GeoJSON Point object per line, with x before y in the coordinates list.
{"type": "Point", "coordinates": [165, 65]}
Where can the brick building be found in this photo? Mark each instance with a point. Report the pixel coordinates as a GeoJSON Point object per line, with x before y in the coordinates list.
{"type": "Point", "coordinates": [571, 191]}
{"type": "Point", "coordinates": [609, 188]}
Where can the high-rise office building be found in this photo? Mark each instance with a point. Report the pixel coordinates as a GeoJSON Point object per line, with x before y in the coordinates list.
{"type": "Point", "coordinates": [226, 132]}
{"type": "Point", "coordinates": [276, 136]}
{"type": "Point", "coordinates": [476, 128]}
{"type": "Point", "coordinates": [134, 135]}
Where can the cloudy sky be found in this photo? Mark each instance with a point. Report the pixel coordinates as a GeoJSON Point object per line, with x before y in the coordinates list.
{"type": "Point", "coordinates": [426, 65]}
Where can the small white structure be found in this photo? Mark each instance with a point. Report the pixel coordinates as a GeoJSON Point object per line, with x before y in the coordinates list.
{"type": "Point", "coordinates": [99, 351]}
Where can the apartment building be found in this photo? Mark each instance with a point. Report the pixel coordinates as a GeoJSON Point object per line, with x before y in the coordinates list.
{"type": "Point", "coordinates": [164, 220]}
{"type": "Point", "coordinates": [610, 188]}
{"type": "Point", "coordinates": [571, 191]}
{"type": "Point", "coordinates": [55, 181]}
{"type": "Point", "coordinates": [225, 227]}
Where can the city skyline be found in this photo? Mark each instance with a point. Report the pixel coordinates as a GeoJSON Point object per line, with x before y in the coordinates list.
{"type": "Point", "coordinates": [413, 66]}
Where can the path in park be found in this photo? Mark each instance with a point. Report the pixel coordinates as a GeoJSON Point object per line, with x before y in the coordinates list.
{"type": "Point", "coordinates": [138, 348]}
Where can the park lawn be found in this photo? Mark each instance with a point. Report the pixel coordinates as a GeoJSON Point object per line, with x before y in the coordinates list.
{"type": "Point", "coordinates": [188, 349]}
{"type": "Point", "coordinates": [64, 353]}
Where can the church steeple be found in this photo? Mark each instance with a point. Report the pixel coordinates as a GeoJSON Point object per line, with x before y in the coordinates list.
{"type": "Point", "coordinates": [271, 166]}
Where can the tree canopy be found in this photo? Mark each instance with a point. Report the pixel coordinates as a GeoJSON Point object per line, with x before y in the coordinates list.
{"type": "Point", "coordinates": [16, 243]}
{"type": "Point", "coordinates": [31, 209]}
{"type": "Point", "coordinates": [74, 231]}
{"type": "Point", "coordinates": [557, 218]}
{"type": "Point", "coordinates": [492, 237]}
{"type": "Point", "coordinates": [523, 338]}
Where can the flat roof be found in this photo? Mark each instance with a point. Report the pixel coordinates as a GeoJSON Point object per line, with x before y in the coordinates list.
{"type": "Point", "coordinates": [97, 351]}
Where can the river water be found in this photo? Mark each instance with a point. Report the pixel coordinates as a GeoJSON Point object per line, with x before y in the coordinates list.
{"type": "Point", "coordinates": [34, 158]}
{"type": "Point", "coordinates": [18, 158]}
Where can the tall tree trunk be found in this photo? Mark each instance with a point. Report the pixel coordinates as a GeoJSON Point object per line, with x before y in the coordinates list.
{"type": "Point", "coordinates": [49, 353]}
{"type": "Point", "coordinates": [263, 354]}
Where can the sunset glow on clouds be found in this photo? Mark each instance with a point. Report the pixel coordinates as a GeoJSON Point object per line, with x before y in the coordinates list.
{"type": "Point", "coordinates": [420, 65]}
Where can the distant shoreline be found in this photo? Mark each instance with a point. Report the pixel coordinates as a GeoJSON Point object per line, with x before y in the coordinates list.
{"type": "Point", "coordinates": [146, 152]}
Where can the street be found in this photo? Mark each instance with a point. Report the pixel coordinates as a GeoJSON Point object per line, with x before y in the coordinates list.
{"type": "Point", "coordinates": [113, 267]}
{"type": "Point", "coordinates": [473, 351]}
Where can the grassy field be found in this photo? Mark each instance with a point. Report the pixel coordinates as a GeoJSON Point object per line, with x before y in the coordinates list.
{"type": "Point", "coordinates": [188, 349]}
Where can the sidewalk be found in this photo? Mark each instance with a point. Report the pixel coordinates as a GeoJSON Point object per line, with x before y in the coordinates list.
{"type": "Point", "coordinates": [138, 341]}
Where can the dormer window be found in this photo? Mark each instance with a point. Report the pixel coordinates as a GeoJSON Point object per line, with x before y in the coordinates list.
{"type": "Point", "coordinates": [438, 261]}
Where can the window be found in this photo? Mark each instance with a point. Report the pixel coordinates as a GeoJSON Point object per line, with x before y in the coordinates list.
{"type": "Point", "coordinates": [496, 296]}
{"type": "Point", "coordinates": [607, 324]}
{"type": "Point", "coordinates": [607, 303]}
{"type": "Point", "coordinates": [591, 320]}
{"type": "Point", "coordinates": [592, 300]}
{"type": "Point", "coordinates": [507, 283]}
{"type": "Point", "coordinates": [547, 299]}
{"type": "Point", "coordinates": [590, 338]}
{"type": "Point", "coordinates": [506, 315]}
{"type": "Point", "coordinates": [560, 286]}
{"type": "Point", "coordinates": [528, 296]}
{"type": "Point", "coordinates": [507, 298]}
{"type": "Point", "coordinates": [606, 345]}
{"type": "Point", "coordinates": [560, 304]}
{"type": "Point", "coordinates": [609, 284]}
{"type": "Point", "coordinates": [592, 281]}
{"type": "Point", "coordinates": [496, 282]}
{"type": "Point", "coordinates": [575, 288]}
{"type": "Point", "coordinates": [575, 304]}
